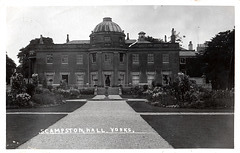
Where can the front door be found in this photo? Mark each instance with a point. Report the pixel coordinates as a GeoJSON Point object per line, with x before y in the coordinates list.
{"type": "Point", "coordinates": [107, 80]}
{"type": "Point", "coordinates": [65, 78]}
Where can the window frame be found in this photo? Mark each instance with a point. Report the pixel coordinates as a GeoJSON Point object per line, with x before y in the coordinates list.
{"type": "Point", "coordinates": [150, 59]}
{"type": "Point", "coordinates": [47, 58]}
{"type": "Point", "coordinates": [181, 58]}
{"type": "Point", "coordinates": [164, 57]}
{"type": "Point", "coordinates": [62, 57]}
{"type": "Point", "coordinates": [123, 57]}
{"type": "Point", "coordinates": [77, 74]}
{"type": "Point", "coordinates": [107, 39]}
{"type": "Point", "coordinates": [135, 58]}
{"type": "Point", "coordinates": [79, 59]}
{"type": "Point", "coordinates": [92, 58]}
{"type": "Point", "coordinates": [47, 75]}
{"type": "Point", "coordinates": [108, 59]}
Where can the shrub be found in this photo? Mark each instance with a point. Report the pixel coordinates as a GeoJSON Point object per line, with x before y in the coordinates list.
{"type": "Point", "coordinates": [63, 85]}
{"type": "Point", "coordinates": [69, 93]}
{"type": "Point", "coordinates": [50, 87]}
{"type": "Point", "coordinates": [145, 87]}
{"type": "Point", "coordinates": [30, 89]}
{"type": "Point", "coordinates": [126, 90]}
{"type": "Point", "coordinates": [159, 96]}
{"type": "Point", "coordinates": [10, 98]}
{"type": "Point", "coordinates": [18, 85]}
{"type": "Point", "coordinates": [35, 79]}
{"type": "Point", "coordinates": [87, 91]}
{"type": "Point", "coordinates": [74, 93]}
{"type": "Point", "coordinates": [44, 82]}
{"type": "Point", "coordinates": [46, 99]}
{"type": "Point", "coordinates": [137, 91]}
{"type": "Point", "coordinates": [23, 99]}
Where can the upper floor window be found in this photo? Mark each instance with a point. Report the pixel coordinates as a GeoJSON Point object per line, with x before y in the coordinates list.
{"type": "Point", "coordinates": [107, 39]}
{"type": "Point", "coordinates": [150, 58]}
{"type": "Point", "coordinates": [107, 58]}
{"type": "Point", "coordinates": [121, 57]}
{"type": "Point", "coordinates": [165, 58]}
{"type": "Point", "coordinates": [79, 59]}
{"type": "Point", "coordinates": [182, 60]}
{"type": "Point", "coordinates": [49, 59]}
{"type": "Point", "coordinates": [94, 57]}
{"type": "Point", "coordinates": [64, 59]}
{"type": "Point", "coordinates": [135, 58]}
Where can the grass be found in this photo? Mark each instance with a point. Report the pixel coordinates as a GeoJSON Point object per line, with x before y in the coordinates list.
{"type": "Point", "coordinates": [144, 107]}
{"type": "Point", "coordinates": [21, 128]}
{"type": "Point", "coordinates": [65, 107]}
{"type": "Point", "coordinates": [194, 131]}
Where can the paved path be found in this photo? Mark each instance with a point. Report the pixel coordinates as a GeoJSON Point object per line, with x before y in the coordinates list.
{"type": "Point", "coordinates": [100, 125]}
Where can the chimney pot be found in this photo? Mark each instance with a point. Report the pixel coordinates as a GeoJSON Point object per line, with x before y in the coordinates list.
{"type": "Point", "coordinates": [41, 39]}
{"type": "Point", "coordinates": [67, 38]}
{"type": "Point", "coordinates": [190, 46]}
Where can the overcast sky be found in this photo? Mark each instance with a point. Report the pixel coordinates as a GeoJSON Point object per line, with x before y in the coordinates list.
{"type": "Point", "coordinates": [197, 23]}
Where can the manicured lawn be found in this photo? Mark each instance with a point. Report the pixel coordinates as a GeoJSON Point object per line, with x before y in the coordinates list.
{"type": "Point", "coordinates": [198, 131]}
{"type": "Point", "coordinates": [66, 107]}
{"type": "Point", "coordinates": [22, 127]}
{"type": "Point", "coordinates": [144, 107]}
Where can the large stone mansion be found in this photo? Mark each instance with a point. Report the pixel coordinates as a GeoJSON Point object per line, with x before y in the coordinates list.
{"type": "Point", "coordinates": [109, 58]}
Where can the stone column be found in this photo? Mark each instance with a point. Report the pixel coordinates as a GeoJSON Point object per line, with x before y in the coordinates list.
{"type": "Point", "coordinates": [99, 65]}
{"type": "Point", "coordinates": [115, 68]}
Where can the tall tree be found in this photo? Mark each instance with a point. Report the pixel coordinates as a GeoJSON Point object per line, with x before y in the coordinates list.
{"type": "Point", "coordinates": [10, 67]}
{"type": "Point", "coordinates": [23, 55]}
{"type": "Point", "coordinates": [219, 57]}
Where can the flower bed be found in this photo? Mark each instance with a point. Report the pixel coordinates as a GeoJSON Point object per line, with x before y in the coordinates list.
{"type": "Point", "coordinates": [185, 94]}
{"type": "Point", "coordinates": [46, 99]}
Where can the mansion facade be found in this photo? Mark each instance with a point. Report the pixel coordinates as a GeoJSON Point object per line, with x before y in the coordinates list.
{"type": "Point", "coordinates": [109, 58]}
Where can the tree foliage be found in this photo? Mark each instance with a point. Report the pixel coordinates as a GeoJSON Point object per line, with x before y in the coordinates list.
{"type": "Point", "coordinates": [219, 59]}
{"type": "Point", "coordinates": [195, 66]}
{"type": "Point", "coordinates": [24, 54]}
{"type": "Point", "coordinates": [153, 40]}
{"type": "Point", "coordinates": [10, 66]}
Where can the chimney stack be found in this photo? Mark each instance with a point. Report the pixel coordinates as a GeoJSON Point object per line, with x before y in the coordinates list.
{"type": "Point", "coordinates": [41, 39]}
{"type": "Point", "coordinates": [141, 36]}
{"type": "Point", "coordinates": [127, 36]}
{"type": "Point", "coordinates": [190, 46]}
{"type": "Point", "coordinates": [67, 38]}
{"type": "Point", "coordinates": [165, 38]}
{"type": "Point", "coordinates": [173, 37]}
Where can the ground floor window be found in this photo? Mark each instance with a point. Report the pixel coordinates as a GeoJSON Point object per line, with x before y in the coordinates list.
{"type": "Point", "coordinates": [135, 78]}
{"type": "Point", "coordinates": [80, 79]}
{"type": "Point", "coordinates": [166, 77]}
{"type": "Point", "coordinates": [65, 77]}
{"type": "Point", "coordinates": [49, 78]}
{"type": "Point", "coordinates": [150, 77]}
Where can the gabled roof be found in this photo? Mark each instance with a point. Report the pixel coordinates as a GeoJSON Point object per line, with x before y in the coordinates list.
{"type": "Point", "coordinates": [79, 42]}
